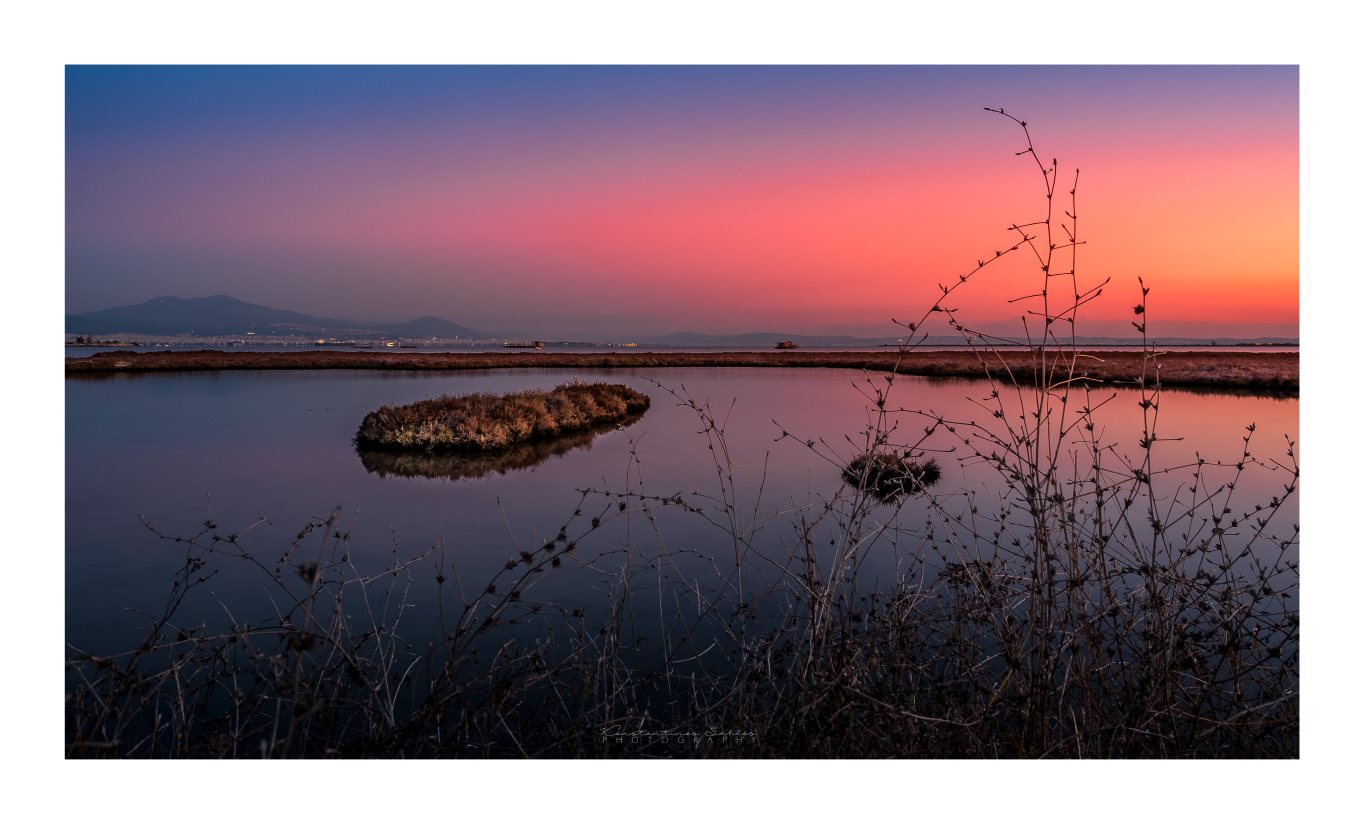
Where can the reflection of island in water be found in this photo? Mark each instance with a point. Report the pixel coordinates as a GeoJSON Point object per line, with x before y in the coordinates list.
{"type": "Point", "coordinates": [465, 464]}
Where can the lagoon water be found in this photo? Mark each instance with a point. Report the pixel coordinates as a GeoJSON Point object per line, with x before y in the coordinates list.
{"type": "Point", "coordinates": [179, 449]}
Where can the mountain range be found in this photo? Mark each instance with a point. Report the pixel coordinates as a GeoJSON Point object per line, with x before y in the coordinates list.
{"type": "Point", "coordinates": [222, 315]}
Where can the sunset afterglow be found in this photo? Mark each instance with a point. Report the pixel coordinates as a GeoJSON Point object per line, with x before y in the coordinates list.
{"type": "Point", "coordinates": [618, 200]}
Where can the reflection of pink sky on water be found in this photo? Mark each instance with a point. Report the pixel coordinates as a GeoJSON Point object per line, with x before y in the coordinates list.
{"type": "Point", "coordinates": [279, 444]}
{"type": "Point", "coordinates": [1188, 424]}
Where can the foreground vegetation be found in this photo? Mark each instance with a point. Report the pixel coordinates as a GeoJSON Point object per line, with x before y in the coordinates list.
{"type": "Point", "coordinates": [488, 422]}
{"type": "Point", "coordinates": [1274, 371]}
{"type": "Point", "coordinates": [1091, 598]}
{"type": "Point", "coordinates": [1082, 633]}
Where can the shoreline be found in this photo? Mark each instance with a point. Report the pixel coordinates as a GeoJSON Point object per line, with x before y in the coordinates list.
{"type": "Point", "coordinates": [1276, 372]}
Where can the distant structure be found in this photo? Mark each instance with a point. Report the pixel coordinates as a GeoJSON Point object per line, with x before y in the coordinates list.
{"type": "Point", "coordinates": [786, 345]}
{"type": "Point", "coordinates": [538, 343]}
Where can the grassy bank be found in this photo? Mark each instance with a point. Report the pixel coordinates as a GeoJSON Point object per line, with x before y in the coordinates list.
{"type": "Point", "coordinates": [488, 422]}
{"type": "Point", "coordinates": [1275, 371]}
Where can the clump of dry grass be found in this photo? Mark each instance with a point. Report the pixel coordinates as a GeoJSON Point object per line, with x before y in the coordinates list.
{"type": "Point", "coordinates": [488, 422]}
{"type": "Point", "coordinates": [889, 476]}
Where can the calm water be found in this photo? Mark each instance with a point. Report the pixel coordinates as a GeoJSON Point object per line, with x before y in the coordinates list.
{"type": "Point", "coordinates": [181, 448]}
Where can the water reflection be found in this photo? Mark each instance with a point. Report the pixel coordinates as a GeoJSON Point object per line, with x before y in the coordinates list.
{"type": "Point", "coordinates": [473, 464]}
{"type": "Point", "coordinates": [235, 446]}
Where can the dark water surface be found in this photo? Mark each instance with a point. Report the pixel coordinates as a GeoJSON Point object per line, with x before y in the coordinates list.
{"type": "Point", "coordinates": [179, 449]}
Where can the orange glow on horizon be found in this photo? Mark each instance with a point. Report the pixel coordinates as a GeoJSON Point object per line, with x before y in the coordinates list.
{"type": "Point", "coordinates": [726, 208]}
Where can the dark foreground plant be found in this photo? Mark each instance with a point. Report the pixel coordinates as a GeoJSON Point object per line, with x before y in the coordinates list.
{"type": "Point", "coordinates": [888, 476]}
{"type": "Point", "coordinates": [1083, 598]}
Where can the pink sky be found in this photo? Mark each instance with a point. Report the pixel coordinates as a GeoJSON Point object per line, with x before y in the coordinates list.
{"type": "Point", "coordinates": [625, 200]}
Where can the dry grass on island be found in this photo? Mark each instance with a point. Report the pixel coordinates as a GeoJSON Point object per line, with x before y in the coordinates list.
{"type": "Point", "coordinates": [488, 422]}
{"type": "Point", "coordinates": [1268, 371]}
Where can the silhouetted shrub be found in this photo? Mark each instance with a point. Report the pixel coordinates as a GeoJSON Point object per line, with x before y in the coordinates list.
{"type": "Point", "coordinates": [889, 476]}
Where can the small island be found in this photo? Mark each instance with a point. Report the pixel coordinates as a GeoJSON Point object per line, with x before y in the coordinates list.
{"type": "Point", "coordinates": [483, 422]}
{"type": "Point", "coordinates": [890, 476]}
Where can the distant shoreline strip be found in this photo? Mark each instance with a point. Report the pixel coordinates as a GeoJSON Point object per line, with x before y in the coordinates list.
{"type": "Point", "coordinates": [1266, 372]}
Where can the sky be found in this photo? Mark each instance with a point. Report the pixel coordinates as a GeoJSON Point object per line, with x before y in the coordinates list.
{"type": "Point", "coordinates": [580, 202]}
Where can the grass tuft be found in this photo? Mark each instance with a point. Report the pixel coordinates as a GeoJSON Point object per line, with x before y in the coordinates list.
{"type": "Point", "coordinates": [490, 422]}
{"type": "Point", "coordinates": [890, 476]}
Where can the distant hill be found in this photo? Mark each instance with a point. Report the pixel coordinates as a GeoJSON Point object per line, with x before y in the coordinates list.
{"type": "Point", "coordinates": [761, 339]}
{"type": "Point", "coordinates": [433, 326]}
{"type": "Point", "coordinates": [207, 316]}
{"type": "Point", "coordinates": [222, 315]}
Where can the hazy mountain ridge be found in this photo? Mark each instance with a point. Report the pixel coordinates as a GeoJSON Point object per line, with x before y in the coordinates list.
{"type": "Point", "coordinates": [763, 338]}
{"type": "Point", "coordinates": [222, 315]}
{"type": "Point", "coordinates": [433, 326]}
